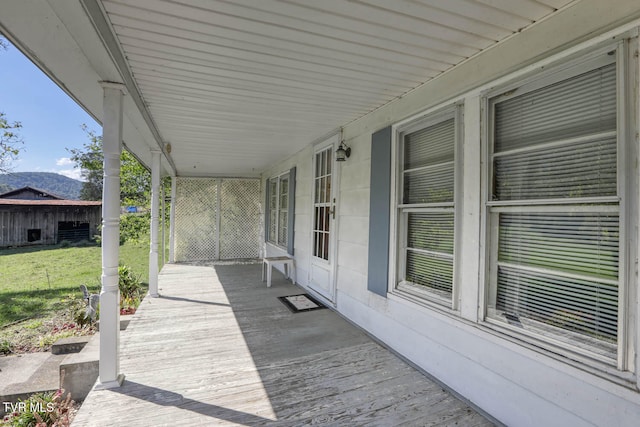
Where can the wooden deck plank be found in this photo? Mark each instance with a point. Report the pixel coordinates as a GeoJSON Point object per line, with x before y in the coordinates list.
{"type": "Point", "coordinates": [218, 348]}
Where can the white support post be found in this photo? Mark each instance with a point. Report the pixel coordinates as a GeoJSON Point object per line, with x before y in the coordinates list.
{"type": "Point", "coordinates": [109, 365]}
{"type": "Point", "coordinates": [172, 222]}
{"type": "Point", "coordinates": [155, 198]}
{"type": "Point", "coordinates": [163, 209]}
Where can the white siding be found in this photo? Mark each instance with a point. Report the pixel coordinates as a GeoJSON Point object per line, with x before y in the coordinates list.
{"type": "Point", "coordinates": [514, 383]}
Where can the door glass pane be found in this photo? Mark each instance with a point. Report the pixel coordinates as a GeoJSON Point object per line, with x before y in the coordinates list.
{"type": "Point", "coordinates": [327, 213]}
{"type": "Point", "coordinates": [322, 203]}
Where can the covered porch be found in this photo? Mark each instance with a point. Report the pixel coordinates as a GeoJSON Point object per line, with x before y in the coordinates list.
{"type": "Point", "coordinates": [415, 159]}
{"type": "Point", "coordinates": [219, 348]}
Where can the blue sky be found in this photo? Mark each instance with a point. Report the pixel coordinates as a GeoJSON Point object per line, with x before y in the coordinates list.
{"type": "Point", "coordinates": [51, 121]}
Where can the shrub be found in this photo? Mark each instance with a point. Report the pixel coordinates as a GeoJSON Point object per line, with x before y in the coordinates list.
{"type": "Point", "coordinates": [130, 288]}
{"type": "Point", "coordinates": [134, 227]}
{"type": "Point", "coordinates": [65, 244]}
{"type": "Point", "coordinates": [77, 310]}
{"type": "Point", "coordinates": [5, 347]}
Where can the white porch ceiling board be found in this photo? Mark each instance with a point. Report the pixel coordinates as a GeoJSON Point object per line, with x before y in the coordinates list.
{"type": "Point", "coordinates": [350, 60]}
{"type": "Point", "coordinates": [492, 15]}
{"type": "Point", "coordinates": [150, 57]}
{"type": "Point", "coordinates": [257, 18]}
{"type": "Point", "coordinates": [276, 86]}
{"type": "Point", "coordinates": [235, 85]}
{"type": "Point", "coordinates": [275, 119]}
{"type": "Point", "coordinates": [242, 95]}
{"type": "Point", "coordinates": [271, 66]}
{"type": "Point", "coordinates": [176, 106]}
{"type": "Point", "coordinates": [444, 37]}
{"type": "Point", "coordinates": [557, 4]}
{"type": "Point", "coordinates": [205, 123]}
{"type": "Point", "coordinates": [528, 9]}
{"type": "Point", "coordinates": [275, 44]}
{"type": "Point", "coordinates": [146, 64]}
{"type": "Point", "coordinates": [386, 37]}
{"type": "Point", "coordinates": [229, 95]}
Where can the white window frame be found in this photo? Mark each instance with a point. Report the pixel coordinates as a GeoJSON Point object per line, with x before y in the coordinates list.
{"type": "Point", "coordinates": [626, 153]}
{"type": "Point", "coordinates": [397, 286]}
{"type": "Point", "coordinates": [275, 213]}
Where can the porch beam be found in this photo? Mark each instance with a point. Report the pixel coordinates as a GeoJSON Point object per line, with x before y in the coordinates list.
{"type": "Point", "coordinates": [155, 198]}
{"type": "Point", "coordinates": [109, 365]}
{"type": "Point", "coordinates": [96, 13]}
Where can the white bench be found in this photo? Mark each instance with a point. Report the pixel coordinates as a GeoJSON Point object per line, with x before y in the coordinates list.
{"type": "Point", "coordinates": [268, 262]}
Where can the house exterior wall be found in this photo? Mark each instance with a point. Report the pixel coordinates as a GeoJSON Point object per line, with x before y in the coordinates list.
{"type": "Point", "coordinates": [302, 224]}
{"type": "Point", "coordinates": [15, 220]}
{"type": "Point", "coordinates": [515, 382]}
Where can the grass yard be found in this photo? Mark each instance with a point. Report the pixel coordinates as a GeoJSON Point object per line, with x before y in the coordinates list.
{"type": "Point", "coordinates": [33, 281]}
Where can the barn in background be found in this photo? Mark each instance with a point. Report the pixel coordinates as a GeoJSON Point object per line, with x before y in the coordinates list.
{"type": "Point", "coordinates": [30, 216]}
{"type": "Point", "coordinates": [29, 193]}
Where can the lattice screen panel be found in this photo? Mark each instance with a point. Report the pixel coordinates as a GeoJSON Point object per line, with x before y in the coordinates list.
{"type": "Point", "coordinates": [217, 218]}
{"type": "Point", "coordinates": [196, 221]}
{"type": "Point", "coordinates": [240, 218]}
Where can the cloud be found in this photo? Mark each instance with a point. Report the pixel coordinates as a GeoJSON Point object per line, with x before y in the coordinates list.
{"type": "Point", "coordinates": [64, 161]}
{"type": "Point", "coordinates": [71, 173]}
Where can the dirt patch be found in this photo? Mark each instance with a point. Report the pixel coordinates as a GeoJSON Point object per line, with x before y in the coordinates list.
{"type": "Point", "coordinates": [34, 335]}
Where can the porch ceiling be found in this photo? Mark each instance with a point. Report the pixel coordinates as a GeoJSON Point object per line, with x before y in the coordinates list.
{"type": "Point", "coordinates": [235, 85]}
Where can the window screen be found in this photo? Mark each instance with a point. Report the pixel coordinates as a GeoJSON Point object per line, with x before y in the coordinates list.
{"type": "Point", "coordinates": [426, 210]}
{"type": "Point", "coordinates": [554, 211]}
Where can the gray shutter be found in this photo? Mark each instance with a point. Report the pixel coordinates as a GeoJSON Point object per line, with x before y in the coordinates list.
{"type": "Point", "coordinates": [291, 211]}
{"type": "Point", "coordinates": [267, 211]}
{"type": "Point", "coordinates": [379, 215]}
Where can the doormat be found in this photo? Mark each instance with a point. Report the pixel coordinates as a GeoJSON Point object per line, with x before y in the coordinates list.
{"type": "Point", "coordinates": [301, 302]}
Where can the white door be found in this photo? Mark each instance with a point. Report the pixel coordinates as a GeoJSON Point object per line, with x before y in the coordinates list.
{"type": "Point", "coordinates": [323, 241]}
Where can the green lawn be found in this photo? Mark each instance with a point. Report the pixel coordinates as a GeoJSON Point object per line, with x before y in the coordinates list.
{"type": "Point", "coordinates": [34, 280]}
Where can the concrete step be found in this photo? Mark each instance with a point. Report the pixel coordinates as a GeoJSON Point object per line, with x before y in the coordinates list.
{"type": "Point", "coordinates": [79, 371]}
{"type": "Point", "coordinates": [75, 372]}
{"type": "Point", "coordinates": [28, 374]}
{"type": "Point", "coordinates": [69, 345]}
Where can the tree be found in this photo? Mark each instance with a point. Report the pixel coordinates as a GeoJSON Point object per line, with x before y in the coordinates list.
{"type": "Point", "coordinates": [10, 142]}
{"type": "Point", "coordinates": [135, 179]}
{"type": "Point", "coordinates": [89, 159]}
{"type": "Point", "coordinates": [9, 138]}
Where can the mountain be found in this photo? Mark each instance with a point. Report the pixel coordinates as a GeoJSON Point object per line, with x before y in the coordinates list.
{"type": "Point", "coordinates": [53, 183]}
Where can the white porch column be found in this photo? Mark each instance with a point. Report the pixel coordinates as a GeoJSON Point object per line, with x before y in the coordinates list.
{"type": "Point", "coordinates": [109, 375]}
{"type": "Point", "coordinates": [155, 198]}
{"type": "Point", "coordinates": [172, 221]}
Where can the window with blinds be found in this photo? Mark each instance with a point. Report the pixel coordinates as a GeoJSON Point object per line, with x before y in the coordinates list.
{"type": "Point", "coordinates": [554, 210]}
{"type": "Point", "coordinates": [278, 209]}
{"type": "Point", "coordinates": [283, 210]}
{"type": "Point", "coordinates": [426, 209]}
{"type": "Point", "coordinates": [273, 209]}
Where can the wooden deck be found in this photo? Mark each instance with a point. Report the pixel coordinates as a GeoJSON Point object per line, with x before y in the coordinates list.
{"type": "Point", "coordinates": [218, 348]}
